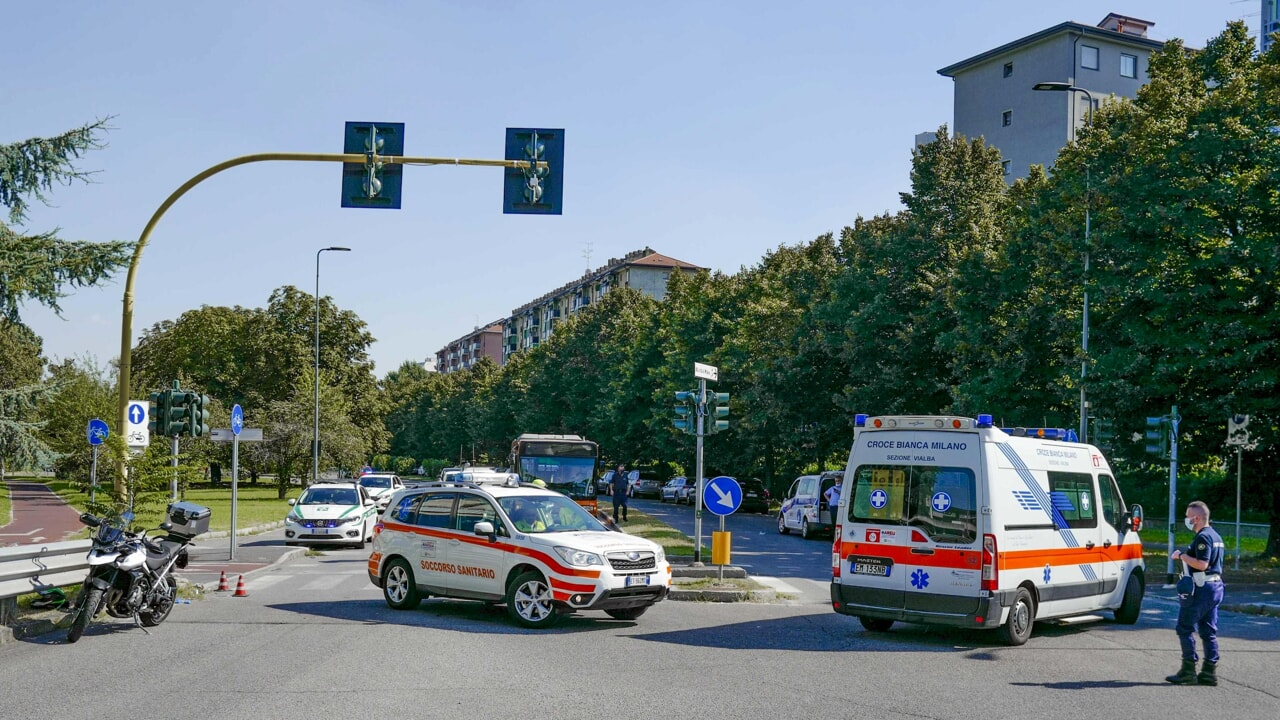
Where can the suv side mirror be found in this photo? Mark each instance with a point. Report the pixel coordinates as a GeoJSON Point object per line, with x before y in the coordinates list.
{"type": "Point", "coordinates": [484, 527]}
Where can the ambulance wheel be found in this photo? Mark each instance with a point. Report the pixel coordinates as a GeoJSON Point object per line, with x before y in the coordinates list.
{"type": "Point", "coordinates": [398, 587]}
{"type": "Point", "coordinates": [804, 529]}
{"type": "Point", "coordinates": [782, 524]}
{"type": "Point", "coordinates": [1022, 616]}
{"type": "Point", "coordinates": [1131, 605]}
{"type": "Point", "coordinates": [876, 624]}
{"type": "Point", "coordinates": [529, 601]}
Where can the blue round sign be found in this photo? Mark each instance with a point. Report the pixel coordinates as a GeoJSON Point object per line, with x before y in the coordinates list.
{"type": "Point", "coordinates": [97, 431]}
{"type": "Point", "coordinates": [722, 495]}
{"type": "Point", "coordinates": [237, 419]}
{"type": "Point", "coordinates": [879, 498]}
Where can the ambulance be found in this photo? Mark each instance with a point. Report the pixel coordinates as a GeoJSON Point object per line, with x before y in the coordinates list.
{"type": "Point", "coordinates": [951, 521]}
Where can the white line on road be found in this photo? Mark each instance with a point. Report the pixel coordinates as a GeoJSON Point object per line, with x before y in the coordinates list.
{"type": "Point", "coordinates": [33, 532]}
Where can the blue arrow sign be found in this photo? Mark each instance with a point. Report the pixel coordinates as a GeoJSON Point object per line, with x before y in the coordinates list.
{"type": "Point", "coordinates": [237, 419]}
{"type": "Point", "coordinates": [137, 414]}
{"type": "Point", "coordinates": [722, 495]}
{"type": "Point", "coordinates": [97, 431]}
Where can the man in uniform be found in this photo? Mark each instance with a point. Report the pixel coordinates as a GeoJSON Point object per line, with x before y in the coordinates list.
{"type": "Point", "coordinates": [1198, 609]}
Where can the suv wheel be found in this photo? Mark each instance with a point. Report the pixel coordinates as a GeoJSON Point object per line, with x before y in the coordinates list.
{"type": "Point", "coordinates": [529, 601]}
{"type": "Point", "coordinates": [398, 587]}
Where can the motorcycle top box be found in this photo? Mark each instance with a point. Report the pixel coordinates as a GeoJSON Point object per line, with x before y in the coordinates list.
{"type": "Point", "coordinates": [187, 519]}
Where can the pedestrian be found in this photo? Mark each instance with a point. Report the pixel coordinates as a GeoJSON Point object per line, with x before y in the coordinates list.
{"type": "Point", "coordinates": [620, 493]}
{"type": "Point", "coordinates": [833, 499]}
{"type": "Point", "coordinates": [1199, 595]}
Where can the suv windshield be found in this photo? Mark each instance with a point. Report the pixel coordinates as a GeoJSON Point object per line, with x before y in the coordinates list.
{"type": "Point", "coordinates": [329, 496]}
{"type": "Point", "coordinates": [548, 513]}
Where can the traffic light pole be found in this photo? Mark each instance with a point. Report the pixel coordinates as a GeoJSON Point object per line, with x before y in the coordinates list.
{"type": "Point", "coordinates": [173, 463]}
{"type": "Point", "coordinates": [126, 322]}
{"type": "Point", "coordinates": [697, 506]}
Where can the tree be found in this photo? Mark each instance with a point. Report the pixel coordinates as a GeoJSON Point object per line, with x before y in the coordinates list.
{"type": "Point", "coordinates": [38, 267]}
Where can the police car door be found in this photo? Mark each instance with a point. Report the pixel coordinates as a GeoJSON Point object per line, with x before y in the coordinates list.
{"type": "Point", "coordinates": [479, 565]}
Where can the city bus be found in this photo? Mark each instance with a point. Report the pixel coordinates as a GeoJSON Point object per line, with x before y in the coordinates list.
{"type": "Point", "coordinates": [565, 463]}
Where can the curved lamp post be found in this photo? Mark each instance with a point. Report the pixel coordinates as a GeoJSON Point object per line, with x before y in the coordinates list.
{"type": "Point", "coordinates": [1084, 331]}
{"type": "Point", "coordinates": [315, 438]}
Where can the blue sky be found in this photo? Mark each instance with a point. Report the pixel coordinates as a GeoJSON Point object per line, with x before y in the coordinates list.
{"type": "Point", "coordinates": [710, 131]}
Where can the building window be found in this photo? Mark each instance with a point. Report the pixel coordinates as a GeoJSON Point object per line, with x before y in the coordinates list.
{"type": "Point", "coordinates": [1128, 66]}
{"type": "Point", "coordinates": [1006, 118]}
{"type": "Point", "coordinates": [1004, 166]}
{"type": "Point", "coordinates": [1088, 57]}
{"type": "Point", "coordinates": [1008, 69]}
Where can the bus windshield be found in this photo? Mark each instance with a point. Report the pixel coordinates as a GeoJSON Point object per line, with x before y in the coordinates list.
{"type": "Point", "coordinates": [563, 463]}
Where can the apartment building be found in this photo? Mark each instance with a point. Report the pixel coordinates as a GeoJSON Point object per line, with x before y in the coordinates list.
{"type": "Point", "coordinates": [534, 322]}
{"type": "Point", "coordinates": [467, 350]}
{"type": "Point", "coordinates": [994, 96]}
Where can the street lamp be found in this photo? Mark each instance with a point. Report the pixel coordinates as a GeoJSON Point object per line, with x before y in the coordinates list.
{"type": "Point", "coordinates": [1084, 330]}
{"type": "Point", "coordinates": [315, 438]}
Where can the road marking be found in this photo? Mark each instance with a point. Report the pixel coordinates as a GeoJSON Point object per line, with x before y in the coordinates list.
{"type": "Point", "coordinates": [33, 532]}
{"type": "Point", "coordinates": [327, 582]}
{"type": "Point", "coordinates": [777, 584]}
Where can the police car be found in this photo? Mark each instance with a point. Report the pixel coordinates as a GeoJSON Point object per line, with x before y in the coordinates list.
{"type": "Point", "coordinates": [497, 540]}
{"type": "Point", "coordinates": [331, 513]}
{"type": "Point", "coordinates": [381, 486]}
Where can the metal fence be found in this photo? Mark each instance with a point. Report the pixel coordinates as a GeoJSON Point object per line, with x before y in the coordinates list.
{"type": "Point", "coordinates": [28, 568]}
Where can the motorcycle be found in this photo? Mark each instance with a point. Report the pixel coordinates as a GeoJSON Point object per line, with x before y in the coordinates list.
{"type": "Point", "coordinates": [131, 575]}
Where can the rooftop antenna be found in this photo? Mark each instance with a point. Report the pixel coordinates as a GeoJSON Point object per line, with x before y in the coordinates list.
{"type": "Point", "coordinates": [586, 253]}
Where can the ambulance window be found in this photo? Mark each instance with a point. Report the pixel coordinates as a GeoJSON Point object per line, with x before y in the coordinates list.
{"type": "Point", "coordinates": [436, 511]}
{"type": "Point", "coordinates": [878, 491]}
{"type": "Point", "coordinates": [1072, 498]}
{"type": "Point", "coordinates": [407, 509]}
{"type": "Point", "coordinates": [473, 509]}
{"type": "Point", "coordinates": [1112, 503]}
{"type": "Point", "coordinates": [941, 501]}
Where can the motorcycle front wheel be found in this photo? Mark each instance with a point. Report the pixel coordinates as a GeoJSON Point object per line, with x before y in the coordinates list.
{"type": "Point", "coordinates": [161, 602]}
{"type": "Point", "coordinates": [89, 606]}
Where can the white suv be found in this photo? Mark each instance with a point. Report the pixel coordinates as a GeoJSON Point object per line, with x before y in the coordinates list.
{"type": "Point", "coordinates": [536, 550]}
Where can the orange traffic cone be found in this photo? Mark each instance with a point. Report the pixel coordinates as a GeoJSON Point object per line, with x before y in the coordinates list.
{"type": "Point", "coordinates": [240, 588]}
{"type": "Point", "coordinates": [222, 583]}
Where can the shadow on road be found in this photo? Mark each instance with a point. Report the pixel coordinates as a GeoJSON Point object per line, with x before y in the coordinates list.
{"type": "Point", "coordinates": [456, 615]}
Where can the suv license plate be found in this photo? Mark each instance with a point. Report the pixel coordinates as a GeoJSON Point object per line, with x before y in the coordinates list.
{"type": "Point", "coordinates": [637, 580]}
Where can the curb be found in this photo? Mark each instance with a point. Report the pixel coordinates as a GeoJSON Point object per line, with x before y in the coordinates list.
{"type": "Point", "coordinates": [243, 531]}
{"type": "Point", "coordinates": [699, 571]}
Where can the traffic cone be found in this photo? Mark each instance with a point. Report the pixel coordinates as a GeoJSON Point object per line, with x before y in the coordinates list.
{"type": "Point", "coordinates": [222, 583]}
{"type": "Point", "coordinates": [240, 588]}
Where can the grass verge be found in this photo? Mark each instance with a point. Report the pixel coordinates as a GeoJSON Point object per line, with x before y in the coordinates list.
{"type": "Point", "coordinates": [6, 507]}
{"type": "Point", "coordinates": [255, 504]}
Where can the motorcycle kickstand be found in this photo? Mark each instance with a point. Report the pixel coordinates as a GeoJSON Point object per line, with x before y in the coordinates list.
{"type": "Point", "coordinates": [137, 620]}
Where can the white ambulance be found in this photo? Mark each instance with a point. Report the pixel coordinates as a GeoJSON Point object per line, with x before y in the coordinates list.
{"type": "Point", "coordinates": [951, 521]}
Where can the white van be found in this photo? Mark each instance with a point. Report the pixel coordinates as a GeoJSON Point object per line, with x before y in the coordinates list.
{"type": "Point", "coordinates": [951, 521]}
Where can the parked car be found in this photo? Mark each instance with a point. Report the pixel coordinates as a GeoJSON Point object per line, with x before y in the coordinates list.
{"type": "Point", "coordinates": [647, 486]}
{"type": "Point", "coordinates": [674, 488]}
{"type": "Point", "coordinates": [755, 497]}
{"type": "Point", "coordinates": [381, 486]}
{"type": "Point", "coordinates": [604, 485]}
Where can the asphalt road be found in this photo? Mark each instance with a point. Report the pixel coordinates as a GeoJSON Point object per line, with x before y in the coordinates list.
{"type": "Point", "coordinates": [315, 639]}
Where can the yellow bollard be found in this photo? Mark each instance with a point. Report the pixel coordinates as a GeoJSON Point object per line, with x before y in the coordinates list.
{"type": "Point", "coordinates": [720, 542]}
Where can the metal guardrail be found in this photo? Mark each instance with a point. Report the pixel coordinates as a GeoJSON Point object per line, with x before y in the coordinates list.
{"type": "Point", "coordinates": [28, 568]}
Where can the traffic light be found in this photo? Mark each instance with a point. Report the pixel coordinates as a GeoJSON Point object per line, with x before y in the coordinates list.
{"type": "Point", "coordinates": [1157, 437]}
{"type": "Point", "coordinates": [1103, 432]}
{"type": "Point", "coordinates": [721, 411]}
{"type": "Point", "coordinates": [373, 183]}
{"type": "Point", "coordinates": [536, 191]}
{"type": "Point", "coordinates": [684, 421]}
{"type": "Point", "coordinates": [176, 413]}
{"type": "Point", "coordinates": [199, 417]}
{"type": "Point", "coordinates": [155, 410]}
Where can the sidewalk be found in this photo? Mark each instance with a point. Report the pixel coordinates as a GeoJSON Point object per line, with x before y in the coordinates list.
{"type": "Point", "coordinates": [1250, 598]}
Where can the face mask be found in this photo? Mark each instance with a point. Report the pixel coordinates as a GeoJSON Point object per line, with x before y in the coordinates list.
{"type": "Point", "coordinates": [1190, 525]}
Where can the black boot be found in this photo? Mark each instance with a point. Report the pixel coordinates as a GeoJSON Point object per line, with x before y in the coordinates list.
{"type": "Point", "coordinates": [1208, 674]}
{"type": "Point", "coordinates": [1185, 676]}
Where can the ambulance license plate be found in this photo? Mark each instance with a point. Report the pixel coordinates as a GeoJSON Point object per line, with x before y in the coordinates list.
{"type": "Point", "coordinates": [637, 580]}
{"type": "Point", "coordinates": [871, 566]}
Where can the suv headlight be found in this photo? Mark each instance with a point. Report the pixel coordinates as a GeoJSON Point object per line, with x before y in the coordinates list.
{"type": "Point", "coordinates": [578, 558]}
{"type": "Point", "coordinates": [290, 520]}
{"type": "Point", "coordinates": [660, 556]}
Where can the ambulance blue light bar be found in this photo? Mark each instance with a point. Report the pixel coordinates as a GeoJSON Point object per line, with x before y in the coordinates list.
{"type": "Point", "coordinates": [860, 420]}
{"type": "Point", "coordinates": [1043, 433]}
{"type": "Point", "coordinates": [984, 421]}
